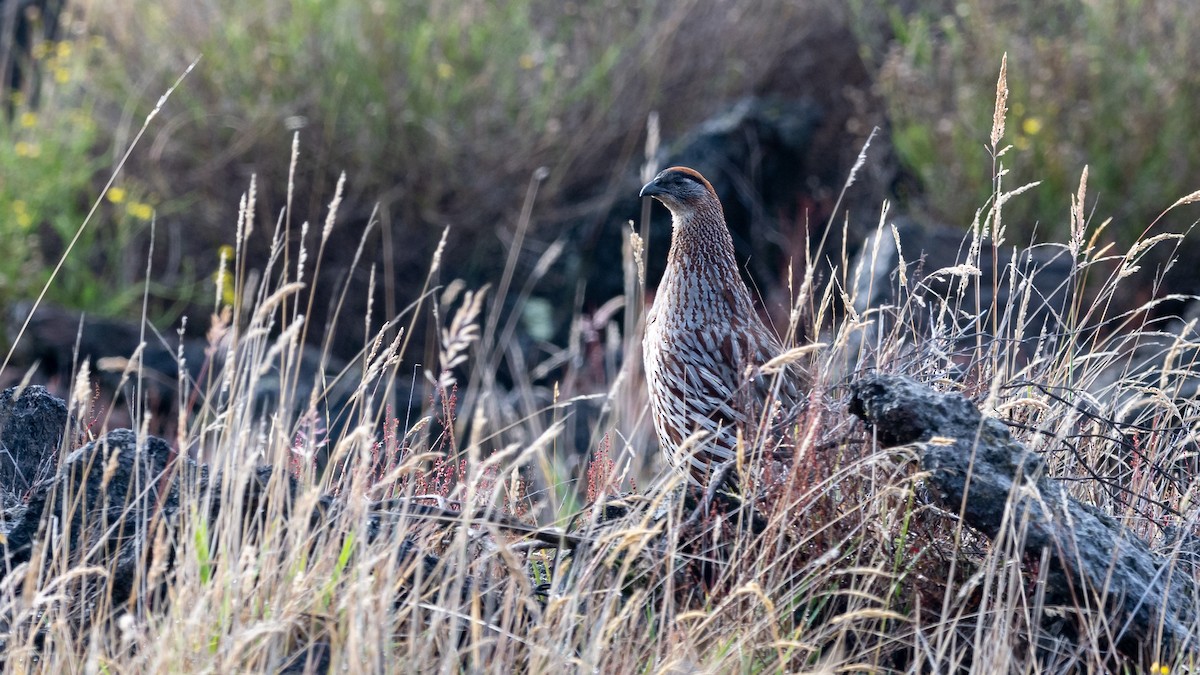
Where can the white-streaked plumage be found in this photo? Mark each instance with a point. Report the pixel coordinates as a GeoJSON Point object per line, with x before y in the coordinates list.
{"type": "Point", "coordinates": [704, 342]}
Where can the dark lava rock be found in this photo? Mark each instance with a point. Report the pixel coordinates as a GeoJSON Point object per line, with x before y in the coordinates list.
{"type": "Point", "coordinates": [313, 659]}
{"type": "Point", "coordinates": [32, 423]}
{"type": "Point", "coordinates": [57, 337]}
{"type": "Point", "coordinates": [108, 498]}
{"type": "Point", "coordinates": [977, 468]}
{"type": "Point", "coordinates": [59, 340]}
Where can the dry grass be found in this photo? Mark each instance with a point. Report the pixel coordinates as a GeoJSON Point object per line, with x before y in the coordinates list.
{"type": "Point", "coordinates": [855, 570]}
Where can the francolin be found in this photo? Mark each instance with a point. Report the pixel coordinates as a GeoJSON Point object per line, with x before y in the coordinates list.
{"type": "Point", "coordinates": [705, 343]}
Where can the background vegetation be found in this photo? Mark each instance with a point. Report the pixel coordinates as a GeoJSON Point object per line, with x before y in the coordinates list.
{"type": "Point", "coordinates": [440, 113]}
{"type": "Point", "coordinates": [1106, 84]}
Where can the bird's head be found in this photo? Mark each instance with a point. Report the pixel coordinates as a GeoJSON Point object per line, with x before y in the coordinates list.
{"type": "Point", "coordinates": [680, 189]}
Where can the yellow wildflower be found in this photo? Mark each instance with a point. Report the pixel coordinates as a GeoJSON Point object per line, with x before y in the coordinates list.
{"type": "Point", "coordinates": [62, 75]}
{"type": "Point", "coordinates": [141, 211]}
{"type": "Point", "coordinates": [62, 50]}
{"type": "Point", "coordinates": [21, 212]}
{"type": "Point", "coordinates": [27, 149]}
{"type": "Point", "coordinates": [115, 195]}
{"type": "Point", "coordinates": [28, 119]}
{"type": "Point", "coordinates": [1031, 126]}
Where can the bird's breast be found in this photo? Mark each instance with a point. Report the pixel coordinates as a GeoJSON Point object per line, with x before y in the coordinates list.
{"type": "Point", "coordinates": [691, 302]}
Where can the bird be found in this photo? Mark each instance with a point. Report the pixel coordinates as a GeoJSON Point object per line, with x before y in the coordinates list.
{"type": "Point", "coordinates": [704, 342]}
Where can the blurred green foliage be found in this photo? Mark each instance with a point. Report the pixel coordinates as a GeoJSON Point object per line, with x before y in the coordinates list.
{"type": "Point", "coordinates": [51, 164]}
{"type": "Point", "coordinates": [438, 110]}
{"type": "Point", "coordinates": [433, 102]}
{"type": "Point", "coordinates": [1111, 84]}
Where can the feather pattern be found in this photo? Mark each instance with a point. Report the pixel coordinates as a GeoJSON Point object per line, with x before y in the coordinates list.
{"type": "Point", "coordinates": [704, 341]}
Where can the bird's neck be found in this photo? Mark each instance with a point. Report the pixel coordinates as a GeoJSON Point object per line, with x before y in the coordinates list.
{"type": "Point", "coordinates": [701, 267]}
{"type": "Point", "coordinates": [700, 242]}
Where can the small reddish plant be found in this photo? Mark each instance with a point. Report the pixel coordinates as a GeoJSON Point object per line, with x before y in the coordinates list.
{"type": "Point", "coordinates": [602, 474]}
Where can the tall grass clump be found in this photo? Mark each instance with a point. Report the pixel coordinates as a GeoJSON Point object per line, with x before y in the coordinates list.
{"type": "Point", "coordinates": [446, 539]}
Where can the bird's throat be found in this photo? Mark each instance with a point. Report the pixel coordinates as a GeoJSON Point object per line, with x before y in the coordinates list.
{"type": "Point", "coordinates": [702, 276]}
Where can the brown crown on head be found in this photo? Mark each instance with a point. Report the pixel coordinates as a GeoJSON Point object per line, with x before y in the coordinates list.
{"type": "Point", "coordinates": [678, 183]}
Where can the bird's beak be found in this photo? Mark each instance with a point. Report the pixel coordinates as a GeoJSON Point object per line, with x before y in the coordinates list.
{"type": "Point", "coordinates": [650, 189]}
